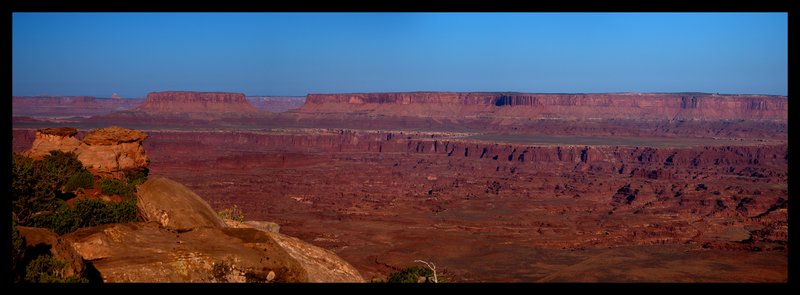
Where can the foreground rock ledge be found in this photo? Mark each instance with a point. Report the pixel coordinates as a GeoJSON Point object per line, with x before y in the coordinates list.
{"type": "Point", "coordinates": [184, 241]}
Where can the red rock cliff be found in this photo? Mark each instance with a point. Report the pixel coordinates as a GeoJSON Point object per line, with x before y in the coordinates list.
{"type": "Point", "coordinates": [638, 106]}
{"type": "Point", "coordinates": [184, 102]}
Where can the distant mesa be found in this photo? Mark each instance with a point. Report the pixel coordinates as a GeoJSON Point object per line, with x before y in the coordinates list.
{"type": "Point", "coordinates": [69, 106]}
{"type": "Point", "coordinates": [189, 102]}
{"type": "Point", "coordinates": [637, 106]}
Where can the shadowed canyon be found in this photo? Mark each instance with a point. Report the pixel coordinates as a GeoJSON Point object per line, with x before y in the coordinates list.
{"type": "Point", "coordinates": [492, 187]}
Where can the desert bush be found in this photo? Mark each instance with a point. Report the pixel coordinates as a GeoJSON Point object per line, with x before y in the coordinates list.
{"type": "Point", "coordinates": [136, 177]}
{"type": "Point", "coordinates": [85, 213]}
{"type": "Point", "coordinates": [58, 167]}
{"type": "Point", "coordinates": [116, 187]}
{"type": "Point", "coordinates": [48, 269]}
{"type": "Point", "coordinates": [233, 213]}
{"type": "Point", "coordinates": [17, 250]}
{"type": "Point", "coordinates": [409, 274]}
{"type": "Point", "coordinates": [39, 182]}
{"type": "Point", "coordinates": [82, 179]}
{"type": "Point", "coordinates": [96, 212]}
{"type": "Point", "coordinates": [23, 176]}
{"type": "Point", "coordinates": [55, 215]}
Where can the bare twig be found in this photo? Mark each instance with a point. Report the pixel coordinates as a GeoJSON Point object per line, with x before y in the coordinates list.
{"type": "Point", "coordinates": [432, 267]}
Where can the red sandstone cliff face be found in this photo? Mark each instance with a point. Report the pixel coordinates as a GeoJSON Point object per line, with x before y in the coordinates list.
{"type": "Point", "coordinates": [644, 106]}
{"type": "Point", "coordinates": [186, 102]}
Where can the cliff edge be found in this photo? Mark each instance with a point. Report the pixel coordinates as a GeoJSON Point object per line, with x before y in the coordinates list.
{"type": "Point", "coordinates": [598, 106]}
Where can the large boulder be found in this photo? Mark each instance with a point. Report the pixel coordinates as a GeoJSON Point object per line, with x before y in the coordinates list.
{"type": "Point", "coordinates": [174, 206]}
{"type": "Point", "coordinates": [321, 265]}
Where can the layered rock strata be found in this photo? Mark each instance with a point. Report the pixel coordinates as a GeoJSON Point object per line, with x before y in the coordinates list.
{"type": "Point", "coordinates": [639, 106]}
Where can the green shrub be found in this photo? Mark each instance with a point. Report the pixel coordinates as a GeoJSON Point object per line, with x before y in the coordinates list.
{"type": "Point", "coordinates": [116, 187]}
{"type": "Point", "coordinates": [85, 213]}
{"type": "Point", "coordinates": [82, 179]}
{"type": "Point", "coordinates": [233, 213]}
{"type": "Point", "coordinates": [96, 212]}
{"type": "Point", "coordinates": [58, 167]}
{"type": "Point", "coordinates": [17, 250]}
{"type": "Point", "coordinates": [35, 182]}
{"type": "Point", "coordinates": [59, 217]}
{"type": "Point", "coordinates": [137, 177]}
{"type": "Point", "coordinates": [48, 269]}
{"type": "Point", "coordinates": [409, 274]}
{"type": "Point", "coordinates": [23, 176]}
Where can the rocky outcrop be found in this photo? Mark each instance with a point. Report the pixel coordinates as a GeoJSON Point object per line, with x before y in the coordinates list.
{"type": "Point", "coordinates": [184, 240]}
{"type": "Point", "coordinates": [264, 226]}
{"type": "Point", "coordinates": [113, 150]}
{"type": "Point", "coordinates": [181, 103]}
{"type": "Point", "coordinates": [321, 265]}
{"type": "Point", "coordinates": [43, 241]}
{"type": "Point", "coordinates": [637, 106]}
{"type": "Point", "coordinates": [106, 151]}
{"type": "Point", "coordinates": [174, 206]}
{"type": "Point", "coordinates": [48, 139]}
{"type": "Point", "coordinates": [146, 252]}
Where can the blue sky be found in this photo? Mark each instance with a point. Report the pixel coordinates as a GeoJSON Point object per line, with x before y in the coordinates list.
{"type": "Point", "coordinates": [298, 53]}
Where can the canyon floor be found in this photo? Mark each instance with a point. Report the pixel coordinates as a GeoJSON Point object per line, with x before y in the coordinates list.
{"type": "Point", "coordinates": [495, 207]}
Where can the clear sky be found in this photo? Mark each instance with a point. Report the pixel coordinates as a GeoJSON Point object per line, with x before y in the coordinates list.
{"type": "Point", "coordinates": [298, 53]}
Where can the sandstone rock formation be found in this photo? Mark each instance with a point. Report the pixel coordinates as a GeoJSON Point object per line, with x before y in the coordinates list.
{"type": "Point", "coordinates": [184, 241]}
{"type": "Point", "coordinates": [321, 265]}
{"type": "Point", "coordinates": [48, 139]}
{"type": "Point", "coordinates": [107, 151]}
{"type": "Point", "coordinates": [638, 106]}
{"type": "Point", "coordinates": [179, 103]}
{"type": "Point", "coordinates": [113, 150]}
{"type": "Point", "coordinates": [264, 226]}
{"type": "Point", "coordinates": [174, 206]}
{"type": "Point", "coordinates": [146, 252]}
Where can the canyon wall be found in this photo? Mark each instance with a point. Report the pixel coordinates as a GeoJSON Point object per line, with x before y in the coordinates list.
{"type": "Point", "coordinates": [637, 106]}
{"type": "Point", "coordinates": [236, 147]}
{"type": "Point", "coordinates": [631, 161]}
